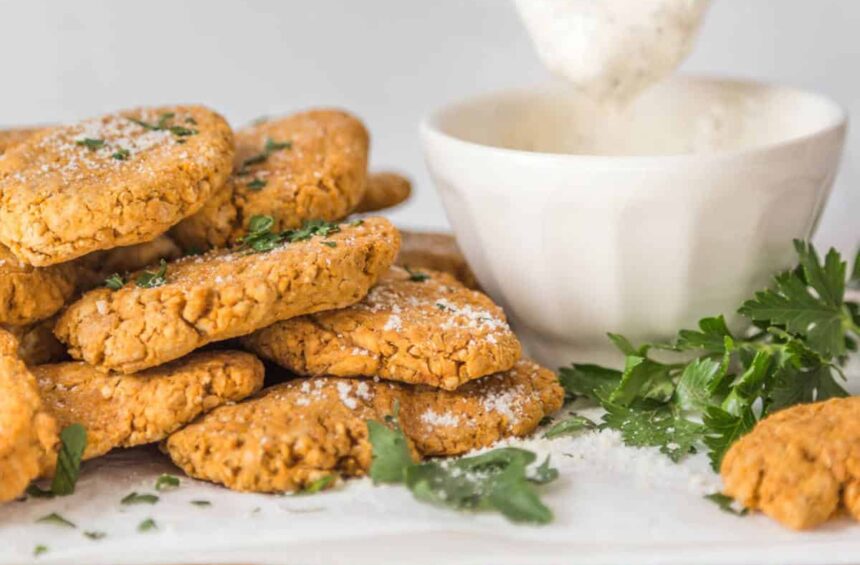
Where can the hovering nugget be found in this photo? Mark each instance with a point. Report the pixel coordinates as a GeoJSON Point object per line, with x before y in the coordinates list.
{"type": "Point", "coordinates": [437, 251]}
{"type": "Point", "coordinates": [303, 430]}
{"type": "Point", "coordinates": [384, 190]}
{"type": "Point", "coordinates": [29, 294]}
{"type": "Point", "coordinates": [128, 410]}
{"type": "Point", "coordinates": [28, 433]}
{"type": "Point", "coordinates": [420, 327]}
{"type": "Point", "coordinates": [307, 166]}
{"type": "Point", "coordinates": [801, 465]}
{"type": "Point", "coordinates": [110, 181]}
{"type": "Point", "coordinates": [161, 315]}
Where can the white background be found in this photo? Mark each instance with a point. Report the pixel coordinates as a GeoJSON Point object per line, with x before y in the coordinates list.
{"type": "Point", "coordinates": [390, 61]}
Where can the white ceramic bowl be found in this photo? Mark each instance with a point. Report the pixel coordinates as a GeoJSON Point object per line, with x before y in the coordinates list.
{"type": "Point", "coordinates": [644, 242]}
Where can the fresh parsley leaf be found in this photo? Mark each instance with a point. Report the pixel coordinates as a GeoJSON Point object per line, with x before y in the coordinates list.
{"type": "Point", "coordinates": [591, 381]}
{"type": "Point", "coordinates": [201, 503]}
{"type": "Point", "coordinates": [855, 273]}
{"type": "Point", "coordinates": [571, 425]}
{"type": "Point", "coordinates": [73, 442]}
{"type": "Point", "coordinates": [643, 378]}
{"type": "Point", "coordinates": [711, 336]}
{"type": "Point", "coordinates": [726, 503]}
{"type": "Point", "coordinates": [93, 535]}
{"type": "Point", "coordinates": [319, 485]}
{"type": "Point", "coordinates": [56, 520]}
{"type": "Point", "coordinates": [121, 154]}
{"type": "Point", "coordinates": [40, 550]}
{"type": "Point", "coordinates": [391, 455]}
{"type": "Point", "coordinates": [166, 482]}
{"type": "Point", "coordinates": [139, 498]}
{"type": "Point", "coordinates": [310, 229]}
{"type": "Point", "coordinates": [90, 143]}
{"type": "Point", "coordinates": [654, 425]}
{"type": "Point", "coordinates": [115, 281]}
{"type": "Point", "coordinates": [182, 131]}
{"type": "Point", "coordinates": [148, 279]}
{"type": "Point", "coordinates": [256, 184]}
{"type": "Point", "coordinates": [147, 525]}
{"type": "Point", "coordinates": [698, 383]}
{"type": "Point", "coordinates": [260, 237]}
{"type": "Point", "coordinates": [416, 276]}
{"type": "Point", "coordinates": [723, 429]}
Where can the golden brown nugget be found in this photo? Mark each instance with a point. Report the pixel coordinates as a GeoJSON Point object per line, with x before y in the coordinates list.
{"type": "Point", "coordinates": [305, 429]}
{"type": "Point", "coordinates": [110, 181]}
{"type": "Point", "coordinates": [28, 433]}
{"type": "Point", "coordinates": [420, 328]}
{"type": "Point", "coordinates": [37, 343]}
{"type": "Point", "coordinates": [223, 294]}
{"type": "Point", "coordinates": [307, 166]}
{"type": "Point", "coordinates": [29, 294]}
{"type": "Point", "coordinates": [800, 465]}
{"type": "Point", "coordinates": [129, 410]}
{"type": "Point", "coordinates": [139, 256]}
{"type": "Point", "coordinates": [437, 251]}
{"type": "Point", "coordinates": [10, 138]}
{"type": "Point", "coordinates": [384, 190]}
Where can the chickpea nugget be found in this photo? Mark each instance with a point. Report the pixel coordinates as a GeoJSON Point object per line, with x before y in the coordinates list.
{"type": "Point", "coordinates": [422, 327]}
{"type": "Point", "coordinates": [158, 316]}
{"type": "Point", "coordinates": [384, 190]}
{"type": "Point", "coordinates": [128, 410]}
{"type": "Point", "coordinates": [29, 294]}
{"type": "Point", "coordinates": [110, 181]}
{"type": "Point", "coordinates": [307, 166]}
{"type": "Point", "coordinates": [800, 465]}
{"type": "Point", "coordinates": [305, 429]}
{"type": "Point", "coordinates": [28, 433]}
{"type": "Point", "coordinates": [438, 251]}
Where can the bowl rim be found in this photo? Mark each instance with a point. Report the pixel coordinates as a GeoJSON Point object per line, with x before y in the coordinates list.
{"type": "Point", "coordinates": [430, 126]}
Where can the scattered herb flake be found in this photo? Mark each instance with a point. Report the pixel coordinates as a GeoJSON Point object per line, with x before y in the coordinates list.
{"type": "Point", "coordinates": [93, 535]}
{"type": "Point", "coordinates": [56, 520]}
{"type": "Point", "coordinates": [570, 426]}
{"type": "Point", "coordinates": [201, 503]}
{"type": "Point", "coordinates": [139, 498]}
{"type": "Point", "coordinates": [148, 279]}
{"type": "Point", "coordinates": [726, 504]}
{"type": "Point", "coordinates": [256, 184]}
{"type": "Point", "coordinates": [121, 154]}
{"type": "Point", "coordinates": [319, 485]}
{"type": "Point", "coordinates": [73, 442]}
{"type": "Point", "coordinates": [416, 276]}
{"type": "Point", "coordinates": [90, 143]}
{"type": "Point", "coordinates": [115, 281]}
{"type": "Point", "coordinates": [147, 525]}
{"type": "Point", "coordinates": [330, 243]}
{"type": "Point", "coordinates": [166, 482]}
{"type": "Point", "coordinates": [310, 229]}
{"type": "Point", "coordinates": [270, 147]}
{"type": "Point", "coordinates": [39, 550]}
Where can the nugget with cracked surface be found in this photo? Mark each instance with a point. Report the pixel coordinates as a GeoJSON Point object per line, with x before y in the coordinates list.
{"type": "Point", "coordinates": [305, 429]}
{"type": "Point", "coordinates": [800, 465]}
{"type": "Point", "coordinates": [438, 251]}
{"type": "Point", "coordinates": [110, 181]}
{"type": "Point", "coordinates": [224, 294]}
{"type": "Point", "coordinates": [37, 343]}
{"type": "Point", "coordinates": [422, 327]}
{"type": "Point", "coordinates": [29, 294]}
{"type": "Point", "coordinates": [384, 189]}
{"type": "Point", "coordinates": [129, 410]}
{"type": "Point", "coordinates": [307, 166]}
{"type": "Point", "coordinates": [28, 433]}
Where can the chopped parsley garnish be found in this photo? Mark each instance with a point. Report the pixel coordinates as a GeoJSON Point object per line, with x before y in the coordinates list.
{"type": "Point", "coordinates": [570, 426]}
{"type": "Point", "coordinates": [270, 147]}
{"type": "Point", "coordinates": [151, 280]}
{"type": "Point", "coordinates": [166, 482]}
{"type": "Point", "coordinates": [319, 485]}
{"type": "Point", "coordinates": [256, 184]}
{"type": "Point", "coordinates": [56, 520]}
{"type": "Point", "coordinates": [90, 143]}
{"type": "Point", "coordinates": [201, 503]}
{"type": "Point", "coordinates": [73, 442]}
{"type": "Point", "coordinates": [139, 498]}
{"type": "Point", "coordinates": [330, 243]}
{"type": "Point", "coordinates": [261, 238]}
{"type": "Point", "coordinates": [310, 229]}
{"type": "Point", "coordinates": [163, 124]}
{"type": "Point", "coordinates": [500, 480]}
{"type": "Point", "coordinates": [95, 535]}
{"type": "Point", "coordinates": [115, 281]}
{"type": "Point", "coordinates": [803, 328]}
{"type": "Point", "coordinates": [121, 154]}
{"type": "Point", "coordinates": [726, 504]}
{"type": "Point", "coordinates": [416, 276]}
{"type": "Point", "coordinates": [35, 491]}
{"type": "Point", "coordinates": [39, 550]}
{"type": "Point", "coordinates": [147, 525]}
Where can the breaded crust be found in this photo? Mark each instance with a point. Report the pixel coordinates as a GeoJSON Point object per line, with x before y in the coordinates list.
{"type": "Point", "coordinates": [29, 294]}
{"type": "Point", "coordinates": [37, 343]}
{"type": "Point", "coordinates": [438, 251]}
{"type": "Point", "coordinates": [320, 175]}
{"type": "Point", "coordinates": [225, 294]}
{"type": "Point", "coordinates": [128, 410]}
{"type": "Point", "coordinates": [800, 465]}
{"type": "Point", "coordinates": [302, 430]}
{"type": "Point", "coordinates": [28, 433]}
{"type": "Point", "coordinates": [431, 330]}
{"type": "Point", "coordinates": [110, 181]}
{"type": "Point", "coordinates": [10, 138]}
{"type": "Point", "coordinates": [385, 189]}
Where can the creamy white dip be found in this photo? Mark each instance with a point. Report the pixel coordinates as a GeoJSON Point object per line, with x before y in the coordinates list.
{"type": "Point", "coordinates": [611, 50]}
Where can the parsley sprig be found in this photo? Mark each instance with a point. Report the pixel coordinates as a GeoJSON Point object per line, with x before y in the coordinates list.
{"type": "Point", "coordinates": [501, 479]}
{"type": "Point", "coordinates": [148, 279]}
{"type": "Point", "coordinates": [73, 442]}
{"type": "Point", "coordinates": [803, 329]}
{"type": "Point", "coordinates": [261, 238]}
